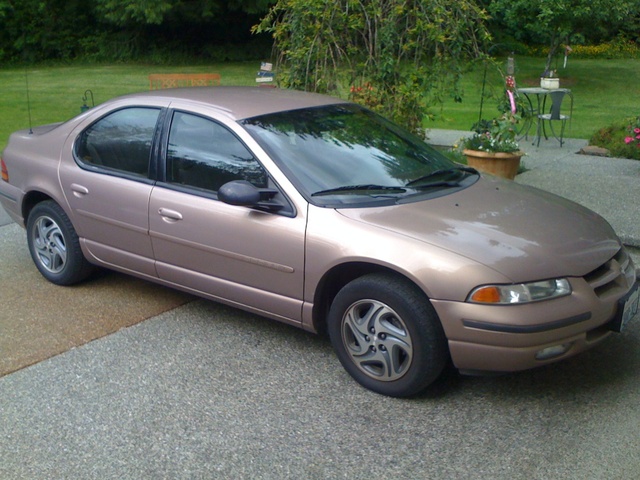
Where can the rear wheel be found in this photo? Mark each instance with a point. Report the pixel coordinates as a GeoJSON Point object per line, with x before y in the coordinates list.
{"type": "Point", "coordinates": [387, 335]}
{"type": "Point", "coordinates": [54, 245]}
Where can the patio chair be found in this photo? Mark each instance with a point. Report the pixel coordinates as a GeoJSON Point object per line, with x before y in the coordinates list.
{"type": "Point", "coordinates": [554, 115]}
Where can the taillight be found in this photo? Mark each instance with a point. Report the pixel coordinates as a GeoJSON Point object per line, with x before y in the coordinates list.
{"type": "Point", "coordinates": [5, 172]}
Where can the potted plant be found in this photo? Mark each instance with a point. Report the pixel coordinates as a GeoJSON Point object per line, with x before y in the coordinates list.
{"type": "Point", "coordinates": [493, 147]}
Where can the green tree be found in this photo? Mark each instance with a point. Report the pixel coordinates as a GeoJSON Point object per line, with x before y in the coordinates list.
{"type": "Point", "coordinates": [140, 12]}
{"type": "Point", "coordinates": [36, 29]}
{"type": "Point", "coordinates": [399, 57]}
{"type": "Point", "coordinates": [179, 28]}
{"type": "Point", "coordinates": [554, 22]}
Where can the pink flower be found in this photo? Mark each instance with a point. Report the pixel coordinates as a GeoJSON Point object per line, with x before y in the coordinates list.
{"type": "Point", "coordinates": [628, 140]}
{"type": "Point", "coordinates": [636, 130]}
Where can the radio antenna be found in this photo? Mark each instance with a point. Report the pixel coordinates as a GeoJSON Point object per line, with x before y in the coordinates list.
{"type": "Point", "coordinates": [26, 79]}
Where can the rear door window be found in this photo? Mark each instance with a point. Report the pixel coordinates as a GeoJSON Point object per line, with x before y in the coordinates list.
{"type": "Point", "coordinates": [120, 142]}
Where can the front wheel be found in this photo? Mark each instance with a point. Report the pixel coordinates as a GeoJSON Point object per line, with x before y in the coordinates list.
{"type": "Point", "coordinates": [54, 245]}
{"type": "Point", "coordinates": [387, 335]}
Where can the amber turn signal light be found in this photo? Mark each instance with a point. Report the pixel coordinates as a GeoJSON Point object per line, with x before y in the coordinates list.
{"type": "Point", "coordinates": [486, 295]}
{"type": "Point", "coordinates": [5, 172]}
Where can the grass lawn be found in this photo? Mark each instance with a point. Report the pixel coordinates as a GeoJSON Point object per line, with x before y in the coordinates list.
{"type": "Point", "coordinates": [56, 93]}
{"type": "Point", "coordinates": [605, 91]}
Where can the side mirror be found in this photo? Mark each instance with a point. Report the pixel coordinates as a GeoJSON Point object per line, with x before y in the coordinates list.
{"type": "Point", "coordinates": [239, 192]}
{"type": "Point", "coordinates": [245, 194]}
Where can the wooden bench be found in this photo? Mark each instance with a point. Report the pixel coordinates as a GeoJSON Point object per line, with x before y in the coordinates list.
{"type": "Point", "coordinates": [173, 80]}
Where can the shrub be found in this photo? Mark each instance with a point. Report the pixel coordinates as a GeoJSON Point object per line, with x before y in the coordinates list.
{"type": "Point", "coordinates": [615, 138]}
{"type": "Point", "coordinates": [617, 48]}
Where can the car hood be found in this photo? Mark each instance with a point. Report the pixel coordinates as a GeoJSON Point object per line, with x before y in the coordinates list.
{"type": "Point", "coordinates": [521, 232]}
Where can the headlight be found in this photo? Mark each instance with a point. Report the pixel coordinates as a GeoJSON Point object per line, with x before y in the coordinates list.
{"type": "Point", "coordinates": [521, 292]}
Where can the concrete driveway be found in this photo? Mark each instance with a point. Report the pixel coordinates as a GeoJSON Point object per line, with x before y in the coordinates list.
{"type": "Point", "coordinates": [39, 319]}
{"type": "Point", "coordinates": [205, 391]}
{"type": "Point", "coordinates": [4, 218]}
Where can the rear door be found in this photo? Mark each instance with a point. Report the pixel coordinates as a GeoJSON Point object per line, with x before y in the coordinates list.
{"type": "Point", "coordinates": [107, 186]}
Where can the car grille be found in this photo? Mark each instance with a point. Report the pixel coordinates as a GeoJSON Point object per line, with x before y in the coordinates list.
{"type": "Point", "coordinates": [613, 278]}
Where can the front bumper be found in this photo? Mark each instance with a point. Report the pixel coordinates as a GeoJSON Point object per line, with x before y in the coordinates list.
{"type": "Point", "coordinates": [511, 337]}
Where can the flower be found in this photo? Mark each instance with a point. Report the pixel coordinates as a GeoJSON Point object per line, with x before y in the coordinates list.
{"type": "Point", "coordinates": [510, 83]}
{"type": "Point", "coordinates": [365, 95]}
{"type": "Point", "coordinates": [497, 135]}
{"type": "Point", "coordinates": [633, 130]}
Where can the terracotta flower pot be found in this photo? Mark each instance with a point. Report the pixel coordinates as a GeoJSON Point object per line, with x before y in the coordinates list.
{"type": "Point", "coordinates": [501, 164]}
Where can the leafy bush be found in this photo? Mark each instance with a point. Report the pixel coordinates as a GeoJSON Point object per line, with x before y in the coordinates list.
{"type": "Point", "coordinates": [621, 139]}
{"type": "Point", "coordinates": [617, 48]}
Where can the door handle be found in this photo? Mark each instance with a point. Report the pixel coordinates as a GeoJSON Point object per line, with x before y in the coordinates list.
{"type": "Point", "coordinates": [169, 215]}
{"type": "Point", "coordinates": [79, 190]}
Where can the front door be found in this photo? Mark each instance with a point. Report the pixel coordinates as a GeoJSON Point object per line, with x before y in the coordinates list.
{"type": "Point", "coordinates": [244, 257]}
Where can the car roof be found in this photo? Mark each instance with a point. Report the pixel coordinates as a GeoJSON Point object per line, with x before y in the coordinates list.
{"type": "Point", "coordinates": [244, 102]}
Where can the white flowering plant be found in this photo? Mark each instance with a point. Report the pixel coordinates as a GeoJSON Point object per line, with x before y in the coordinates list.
{"type": "Point", "coordinates": [496, 135]}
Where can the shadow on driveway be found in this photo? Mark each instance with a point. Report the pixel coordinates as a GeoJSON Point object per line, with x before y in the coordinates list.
{"type": "Point", "coordinates": [39, 320]}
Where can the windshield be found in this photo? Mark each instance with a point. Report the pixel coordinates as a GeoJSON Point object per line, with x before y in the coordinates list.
{"type": "Point", "coordinates": [345, 154]}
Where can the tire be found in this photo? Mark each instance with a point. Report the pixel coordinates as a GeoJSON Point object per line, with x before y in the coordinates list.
{"type": "Point", "coordinates": [54, 245]}
{"type": "Point", "coordinates": [387, 335]}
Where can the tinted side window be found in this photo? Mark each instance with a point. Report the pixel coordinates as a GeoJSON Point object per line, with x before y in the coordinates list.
{"type": "Point", "coordinates": [120, 141]}
{"type": "Point", "coordinates": [204, 154]}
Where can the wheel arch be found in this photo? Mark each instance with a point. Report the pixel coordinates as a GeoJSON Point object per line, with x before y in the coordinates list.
{"type": "Point", "coordinates": [339, 276]}
{"type": "Point", "coordinates": [30, 200]}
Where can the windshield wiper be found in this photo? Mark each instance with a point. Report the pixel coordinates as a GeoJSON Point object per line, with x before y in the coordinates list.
{"type": "Point", "coordinates": [358, 189]}
{"type": "Point", "coordinates": [438, 173]}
